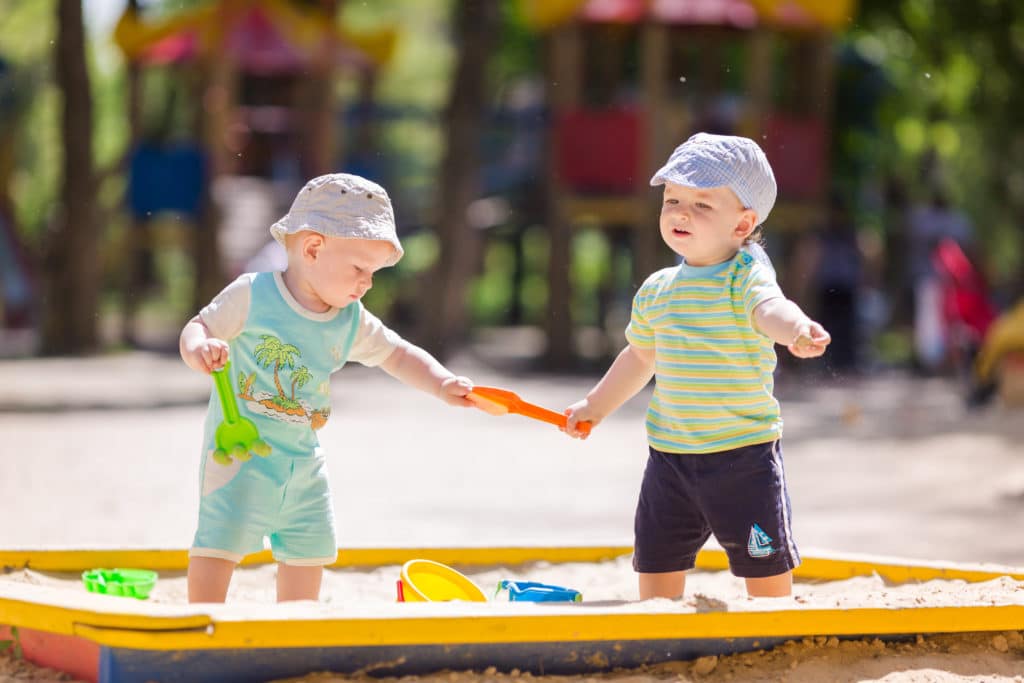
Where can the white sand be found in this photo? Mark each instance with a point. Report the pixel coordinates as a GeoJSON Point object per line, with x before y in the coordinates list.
{"type": "Point", "coordinates": [612, 582]}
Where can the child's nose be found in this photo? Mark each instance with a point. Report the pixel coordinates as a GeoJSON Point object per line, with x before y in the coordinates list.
{"type": "Point", "coordinates": [681, 215]}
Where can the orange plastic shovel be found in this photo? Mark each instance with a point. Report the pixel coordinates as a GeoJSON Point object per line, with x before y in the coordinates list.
{"type": "Point", "coordinates": [501, 402]}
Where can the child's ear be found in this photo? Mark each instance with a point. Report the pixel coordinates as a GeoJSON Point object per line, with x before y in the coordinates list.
{"type": "Point", "coordinates": [746, 224]}
{"type": "Point", "coordinates": [311, 246]}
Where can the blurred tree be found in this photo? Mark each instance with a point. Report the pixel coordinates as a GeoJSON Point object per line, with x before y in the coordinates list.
{"type": "Point", "coordinates": [71, 254]}
{"type": "Point", "coordinates": [444, 301]}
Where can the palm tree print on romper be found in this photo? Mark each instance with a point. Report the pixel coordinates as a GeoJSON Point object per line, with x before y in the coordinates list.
{"type": "Point", "coordinates": [283, 406]}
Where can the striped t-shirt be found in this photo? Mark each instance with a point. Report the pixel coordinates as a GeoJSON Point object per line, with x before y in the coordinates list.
{"type": "Point", "coordinates": [713, 369]}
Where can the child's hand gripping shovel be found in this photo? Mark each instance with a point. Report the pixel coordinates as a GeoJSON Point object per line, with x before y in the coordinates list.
{"type": "Point", "coordinates": [501, 402]}
{"type": "Point", "coordinates": [236, 436]}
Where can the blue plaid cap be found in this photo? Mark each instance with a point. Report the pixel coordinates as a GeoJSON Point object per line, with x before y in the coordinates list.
{"type": "Point", "coordinates": [707, 160]}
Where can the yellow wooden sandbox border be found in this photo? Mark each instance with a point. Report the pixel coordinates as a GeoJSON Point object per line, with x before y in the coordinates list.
{"type": "Point", "coordinates": [141, 625]}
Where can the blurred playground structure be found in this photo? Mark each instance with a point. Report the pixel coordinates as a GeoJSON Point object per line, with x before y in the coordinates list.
{"type": "Point", "coordinates": [232, 105]}
{"type": "Point", "coordinates": [254, 80]}
{"type": "Point", "coordinates": [630, 80]}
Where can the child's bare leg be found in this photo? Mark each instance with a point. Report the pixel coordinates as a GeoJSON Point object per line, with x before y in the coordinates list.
{"type": "Point", "coordinates": [208, 579]}
{"type": "Point", "coordinates": [777, 586]}
{"type": "Point", "coordinates": [662, 585]}
{"type": "Point", "coordinates": [298, 583]}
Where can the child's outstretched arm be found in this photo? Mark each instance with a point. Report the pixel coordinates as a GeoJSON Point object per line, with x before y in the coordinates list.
{"type": "Point", "coordinates": [199, 349]}
{"type": "Point", "coordinates": [631, 371]}
{"type": "Point", "coordinates": [412, 365]}
{"type": "Point", "coordinates": [784, 322]}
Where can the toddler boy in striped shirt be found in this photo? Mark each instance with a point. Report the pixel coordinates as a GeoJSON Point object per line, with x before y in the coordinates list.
{"type": "Point", "coordinates": [706, 330]}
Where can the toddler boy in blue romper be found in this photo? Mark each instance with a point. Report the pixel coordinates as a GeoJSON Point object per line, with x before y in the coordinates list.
{"type": "Point", "coordinates": [285, 334]}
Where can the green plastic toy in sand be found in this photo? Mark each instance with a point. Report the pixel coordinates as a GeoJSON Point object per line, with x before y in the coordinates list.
{"type": "Point", "coordinates": [237, 437]}
{"type": "Point", "coordinates": [126, 583]}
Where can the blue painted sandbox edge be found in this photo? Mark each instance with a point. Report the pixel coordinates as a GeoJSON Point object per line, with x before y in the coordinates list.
{"type": "Point", "coordinates": [121, 665]}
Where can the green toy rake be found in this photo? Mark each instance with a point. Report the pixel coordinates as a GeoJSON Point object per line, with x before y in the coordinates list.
{"type": "Point", "coordinates": [237, 437]}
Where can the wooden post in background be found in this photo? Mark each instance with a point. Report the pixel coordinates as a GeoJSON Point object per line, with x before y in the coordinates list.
{"type": "Point", "coordinates": [562, 93]}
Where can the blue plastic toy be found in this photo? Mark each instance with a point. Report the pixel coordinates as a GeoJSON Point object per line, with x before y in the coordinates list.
{"type": "Point", "coordinates": [532, 591]}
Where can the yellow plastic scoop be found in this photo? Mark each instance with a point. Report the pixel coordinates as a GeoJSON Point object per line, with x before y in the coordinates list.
{"type": "Point", "coordinates": [502, 402]}
{"type": "Point", "coordinates": [429, 581]}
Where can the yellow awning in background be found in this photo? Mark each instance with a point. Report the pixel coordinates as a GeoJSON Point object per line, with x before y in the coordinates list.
{"type": "Point", "coordinates": [544, 14]}
{"type": "Point", "coordinates": [304, 29]}
{"type": "Point", "coordinates": [830, 14]}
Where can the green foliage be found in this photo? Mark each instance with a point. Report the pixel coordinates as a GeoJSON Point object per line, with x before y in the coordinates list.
{"type": "Point", "coordinates": [894, 348]}
{"type": "Point", "coordinates": [950, 117]}
{"type": "Point", "coordinates": [421, 251]}
{"type": "Point", "coordinates": [13, 644]}
{"type": "Point", "coordinates": [591, 260]}
{"type": "Point", "coordinates": [27, 37]}
{"type": "Point", "coordinates": [519, 49]}
{"type": "Point", "coordinates": [386, 286]}
{"type": "Point", "coordinates": [418, 74]}
{"type": "Point", "coordinates": [535, 283]}
{"type": "Point", "coordinates": [491, 293]}
{"type": "Point", "coordinates": [27, 30]}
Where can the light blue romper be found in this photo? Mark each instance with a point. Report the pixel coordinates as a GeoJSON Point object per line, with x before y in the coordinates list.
{"type": "Point", "coordinates": [281, 363]}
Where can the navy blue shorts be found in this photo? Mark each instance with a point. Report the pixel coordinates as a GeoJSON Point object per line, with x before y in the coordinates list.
{"type": "Point", "coordinates": [739, 495]}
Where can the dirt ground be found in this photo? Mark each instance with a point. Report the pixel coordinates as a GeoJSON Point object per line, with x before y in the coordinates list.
{"type": "Point", "coordinates": [978, 658]}
{"type": "Point", "coordinates": [941, 659]}
{"type": "Point", "coordinates": [103, 452]}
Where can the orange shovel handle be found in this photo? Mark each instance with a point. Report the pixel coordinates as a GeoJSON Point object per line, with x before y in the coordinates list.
{"type": "Point", "coordinates": [514, 404]}
{"type": "Point", "coordinates": [549, 416]}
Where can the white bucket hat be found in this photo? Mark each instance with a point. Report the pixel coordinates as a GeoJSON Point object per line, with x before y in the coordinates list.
{"type": "Point", "coordinates": [707, 160]}
{"type": "Point", "coordinates": [342, 205]}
